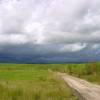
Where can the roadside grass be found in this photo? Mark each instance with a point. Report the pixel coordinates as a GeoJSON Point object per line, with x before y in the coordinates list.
{"type": "Point", "coordinates": [88, 71]}
{"type": "Point", "coordinates": [32, 82]}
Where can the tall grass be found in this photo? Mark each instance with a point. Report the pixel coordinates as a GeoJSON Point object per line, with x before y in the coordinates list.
{"type": "Point", "coordinates": [88, 71]}
{"type": "Point", "coordinates": [37, 82]}
{"type": "Point", "coordinates": [31, 82]}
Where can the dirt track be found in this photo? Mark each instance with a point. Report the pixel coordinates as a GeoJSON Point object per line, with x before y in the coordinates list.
{"type": "Point", "coordinates": [82, 89]}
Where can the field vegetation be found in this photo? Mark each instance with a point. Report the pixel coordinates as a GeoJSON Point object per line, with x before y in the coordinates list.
{"type": "Point", "coordinates": [87, 71]}
{"type": "Point", "coordinates": [40, 82]}
{"type": "Point", "coordinates": [31, 82]}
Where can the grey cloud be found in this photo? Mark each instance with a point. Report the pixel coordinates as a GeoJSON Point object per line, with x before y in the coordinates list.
{"type": "Point", "coordinates": [49, 26]}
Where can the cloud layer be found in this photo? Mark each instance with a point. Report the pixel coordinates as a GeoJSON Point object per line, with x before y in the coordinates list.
{"type": "Point", "coordinates": [50, 25]}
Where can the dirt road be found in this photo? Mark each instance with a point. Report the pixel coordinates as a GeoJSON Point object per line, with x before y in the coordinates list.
{"type": "Point", "coordinates": [82, 89]}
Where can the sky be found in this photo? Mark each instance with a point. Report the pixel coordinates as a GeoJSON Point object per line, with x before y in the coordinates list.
{"type": "Point", "coordinates": [50, 29]}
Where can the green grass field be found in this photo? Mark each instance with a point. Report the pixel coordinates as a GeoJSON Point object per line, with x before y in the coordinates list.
{"type": "Point", "coordinates": [37, 82]}
{"type": "Point", "coordinates": [31, 82]}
